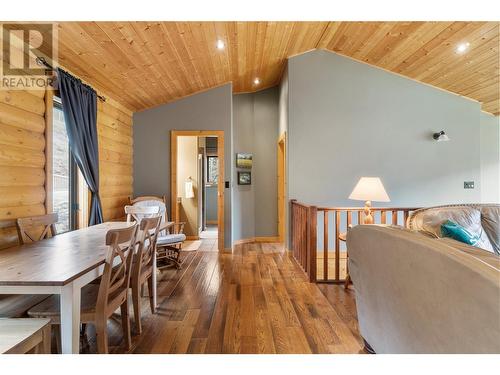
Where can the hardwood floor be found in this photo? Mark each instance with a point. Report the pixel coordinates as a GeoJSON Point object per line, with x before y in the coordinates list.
{"type": "Point", "coordinates": [255, 300]}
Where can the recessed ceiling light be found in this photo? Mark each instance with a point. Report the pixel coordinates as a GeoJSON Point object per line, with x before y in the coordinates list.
{"type": "Point", "coordinates": [220, 44]}
{"type": "Point", "coordinates": [256, 81]}
{"type": "Point", "coordinates": [462, 47]}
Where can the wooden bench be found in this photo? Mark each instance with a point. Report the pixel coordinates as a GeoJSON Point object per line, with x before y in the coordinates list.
{"type": "Point", "coordinates": [19, 336]}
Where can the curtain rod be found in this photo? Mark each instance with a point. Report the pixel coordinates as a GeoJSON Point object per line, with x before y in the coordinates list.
{"type": "Point", "coordinates": [42, 61]}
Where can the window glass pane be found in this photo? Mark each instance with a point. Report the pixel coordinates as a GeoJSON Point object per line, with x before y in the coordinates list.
{"type": "Point", "coordinates": [213, 169]}
{"type": "Point", "coordinates": [60, 169]}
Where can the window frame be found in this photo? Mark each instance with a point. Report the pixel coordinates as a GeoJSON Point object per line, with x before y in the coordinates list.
{"type": "Point", "coordinates": [208, 182]}
{"type": "Point", "coordinates": [73, 178]}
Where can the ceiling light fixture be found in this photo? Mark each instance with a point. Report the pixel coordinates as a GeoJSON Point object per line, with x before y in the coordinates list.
{"type": "Point", "coordinates": [256, 81]}
{"type": "Point", "coordinates": [462, 47]}
{"type": "Point", "coordinates": [220, 44]}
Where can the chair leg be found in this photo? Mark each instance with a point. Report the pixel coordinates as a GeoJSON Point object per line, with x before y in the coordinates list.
{"type": "Point", "coordinates": [151, 299]}
{"type": "Point", "coordinates": [57, 334]}
{"type": "Point", "coordinates": [126, 324]}
{"type": "Point", "coordinates": [101, 333]}
{"type": "Point", "coordinates": [136, 301]}
{"type": "Point", "coordinates": [83, 329]}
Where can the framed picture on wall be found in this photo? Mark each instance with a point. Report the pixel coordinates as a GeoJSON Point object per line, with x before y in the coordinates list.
{"type": "Point", "coordinates": [244, 160]}
{"type": "Point", "coordinates": [244, 178]}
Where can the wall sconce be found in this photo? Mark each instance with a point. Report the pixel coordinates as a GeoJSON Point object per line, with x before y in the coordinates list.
{"type": "Point", "coordinates": [441, 136]}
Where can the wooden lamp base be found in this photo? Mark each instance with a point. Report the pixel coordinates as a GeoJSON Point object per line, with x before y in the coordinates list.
{"type": "Point", "coordinates": [368, 219]}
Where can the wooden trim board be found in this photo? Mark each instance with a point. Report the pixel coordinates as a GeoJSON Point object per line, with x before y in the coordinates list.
{"type": "Point", "coordinates": [49, 105]}
{"type": "Point", "coordinates": [174, 134]}
{"type": "Point", "coordinates": [281, 186]}
{"type": "Point", "coordinates": [257, 240]}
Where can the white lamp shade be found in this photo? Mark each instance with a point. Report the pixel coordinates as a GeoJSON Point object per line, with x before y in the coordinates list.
{"type": "Point", "coordinates": [369, 189]}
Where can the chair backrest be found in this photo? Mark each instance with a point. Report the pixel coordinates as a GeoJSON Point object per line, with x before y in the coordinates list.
{"type": "Point", "coordinates": [149, 228]}
{"type": "Point", "coordinates": [116, 275]}
{"type": "Point", "coordinates": [137, 213]}
{"type": "Point", "coordinates": [36, 228]}
{"type": "Point", "coordinates": [149, 200]}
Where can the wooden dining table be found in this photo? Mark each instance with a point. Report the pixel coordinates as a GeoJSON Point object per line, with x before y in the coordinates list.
{"type": "Point", "coordinates": [62, 265]}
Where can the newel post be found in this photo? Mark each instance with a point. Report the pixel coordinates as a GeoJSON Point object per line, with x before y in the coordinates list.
{"type": "Point", "coordinates": [311, 242]}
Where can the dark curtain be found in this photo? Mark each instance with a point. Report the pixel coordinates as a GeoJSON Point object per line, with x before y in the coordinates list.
{"type": "Point", "coordinates": [79, 103]}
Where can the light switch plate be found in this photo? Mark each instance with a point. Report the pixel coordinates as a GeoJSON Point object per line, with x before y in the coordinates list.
{"type": "Point", "coordinates": [468, 184]}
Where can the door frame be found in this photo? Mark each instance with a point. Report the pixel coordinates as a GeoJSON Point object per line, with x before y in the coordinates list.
{"type": "Point", "coordinates": [220, 182]}
{"type": "Point", "coordinates": [281, 153]}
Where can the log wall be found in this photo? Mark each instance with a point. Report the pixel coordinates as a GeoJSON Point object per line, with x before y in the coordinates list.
{"type": "Point", "coordinates": [23, 159]}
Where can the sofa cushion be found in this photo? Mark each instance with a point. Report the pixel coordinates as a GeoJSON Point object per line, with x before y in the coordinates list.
{"type": "Point", "coordinates": [480, 254]}
{"type": "Point", "coordinates": [490, 220]}
{"type": "Point", "coordinates": [430, 220]}
{"type": "Point", "coordinates": [171, 239]}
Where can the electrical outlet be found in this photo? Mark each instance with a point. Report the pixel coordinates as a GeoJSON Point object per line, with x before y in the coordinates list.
{"type": "Point", "coordinates": [468, 184]}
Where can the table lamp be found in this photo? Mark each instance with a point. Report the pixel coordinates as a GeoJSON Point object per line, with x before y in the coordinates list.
{"type": "Point", "coordinates": [369, 189]}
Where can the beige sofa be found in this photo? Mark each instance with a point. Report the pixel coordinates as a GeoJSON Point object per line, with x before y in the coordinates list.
{"type": "Point", "coordinates": [417, 294]}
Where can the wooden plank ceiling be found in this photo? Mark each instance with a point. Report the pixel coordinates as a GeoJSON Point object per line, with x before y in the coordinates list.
{"type": "Point", "coordinates": [144, 64]}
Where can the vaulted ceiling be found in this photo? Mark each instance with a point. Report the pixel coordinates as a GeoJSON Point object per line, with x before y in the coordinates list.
{"type": "Point", "coordinates": [144, 64]}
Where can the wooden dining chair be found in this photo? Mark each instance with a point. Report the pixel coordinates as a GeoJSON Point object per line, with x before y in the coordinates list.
{"type": "Point", "coordinates": [142, 267]}
{"type": "Point", "coordinates": [36, 228]}
{"type": "Point", "coordinates": [99, 302]}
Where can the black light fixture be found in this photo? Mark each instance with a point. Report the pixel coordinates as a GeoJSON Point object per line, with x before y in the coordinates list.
{"type": "Point", "coordinates": [441, 136]}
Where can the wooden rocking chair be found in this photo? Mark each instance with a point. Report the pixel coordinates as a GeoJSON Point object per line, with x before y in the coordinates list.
{"type": "Point", "coordinates": [171, 237]}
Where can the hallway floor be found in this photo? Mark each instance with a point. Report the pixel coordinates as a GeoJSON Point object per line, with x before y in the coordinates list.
{"type": "Point", "coordinates": [210, 232]}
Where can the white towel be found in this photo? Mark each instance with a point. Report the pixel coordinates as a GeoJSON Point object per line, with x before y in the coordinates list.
{"type": "Point", "coordinates": [189, 189]}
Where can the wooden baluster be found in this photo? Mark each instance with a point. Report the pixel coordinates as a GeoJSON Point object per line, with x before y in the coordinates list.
{"type": "Point", "coordinates": [325, 245]}
{"type": "Point", "coordinates": [337, 245]}
{"type": "Point", "coordinates": [383, 217]}
{"type": "Point", "coordinates": [406, 213]}
{"type": "Point", "coordinates": [300, 233]}
{"type": "Point", "coordinates": [349, 221]}
{"type": "Point", "coordinates": [360, 220]}
{"type": "Point", "coordinates": [394, 217]}
{"type": "Point", "coordinates": [305, 231]}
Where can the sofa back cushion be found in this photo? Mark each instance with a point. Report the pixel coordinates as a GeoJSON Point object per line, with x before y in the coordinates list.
{"type": "Point", "coordinates": [430, 220]}
{"type": "Point", "coordinates": [490, 220]}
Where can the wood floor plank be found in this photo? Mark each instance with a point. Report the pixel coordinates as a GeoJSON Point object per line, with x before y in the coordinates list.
{"type": "Point", "coordinates": [253, 300]}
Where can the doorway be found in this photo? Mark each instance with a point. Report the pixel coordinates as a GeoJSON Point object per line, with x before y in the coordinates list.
{"type": "Point", "coordinates": [197, 183]}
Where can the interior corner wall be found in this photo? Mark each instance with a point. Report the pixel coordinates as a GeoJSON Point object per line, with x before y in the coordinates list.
{"type": "Point", "coordinates": [490, 158]}
{"type": "Point", "coordinates": [209, 110]}
{"type": "Point", "coordinates": [347, 119]}
{"type": "Point", "coordinates": [255, 130]}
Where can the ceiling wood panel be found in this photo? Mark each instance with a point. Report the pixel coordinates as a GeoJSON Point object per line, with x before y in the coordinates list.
{"type": "Point", "coordinates": [144, 64]}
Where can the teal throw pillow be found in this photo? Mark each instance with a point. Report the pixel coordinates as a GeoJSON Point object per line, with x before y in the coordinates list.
{"type": "Point", "coordinates": [458, 232]}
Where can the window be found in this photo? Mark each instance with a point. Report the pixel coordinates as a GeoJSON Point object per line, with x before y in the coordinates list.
{"type": "Point", "coordinates": [212, 169]}
{"type": "Point", "coordinates": [64, 174]}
